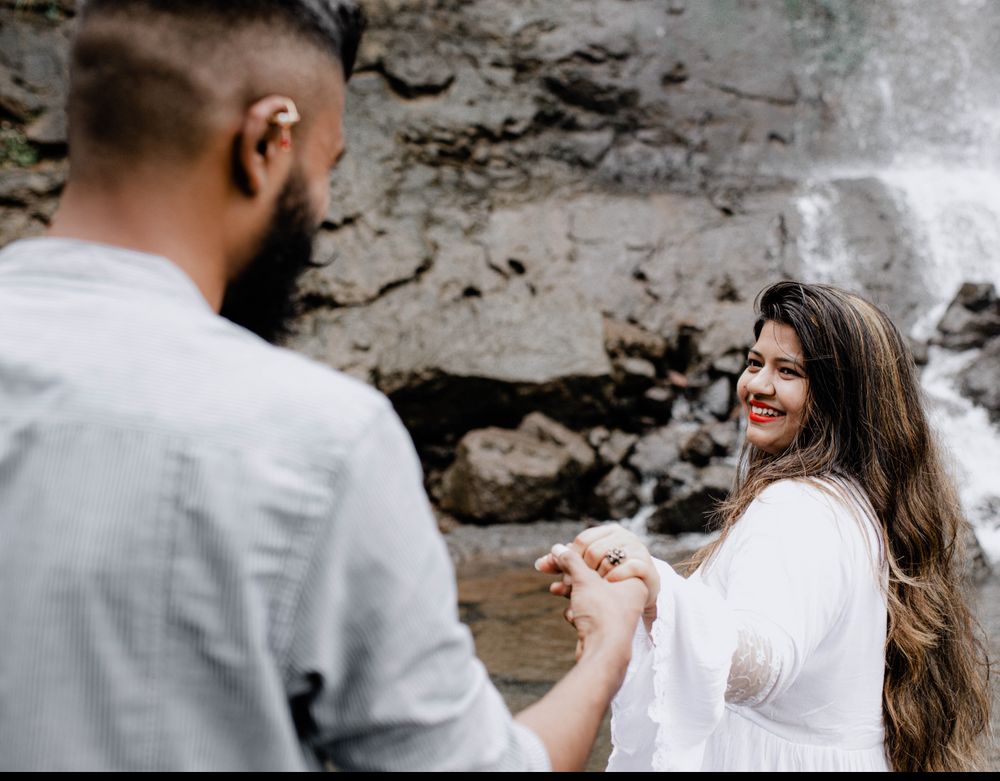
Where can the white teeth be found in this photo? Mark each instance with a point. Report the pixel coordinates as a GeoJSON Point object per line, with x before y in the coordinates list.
{"type": "Point", "coordinates": [767, 413]}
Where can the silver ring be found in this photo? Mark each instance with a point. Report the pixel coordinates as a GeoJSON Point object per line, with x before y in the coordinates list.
{"type": "Point", "coordinates": [615, 556]}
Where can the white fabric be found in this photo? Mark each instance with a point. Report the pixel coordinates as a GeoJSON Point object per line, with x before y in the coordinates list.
{"type": "Point", "coordinates": [214, 553]}
{"type": "Point", "coordinates": [771, 655]}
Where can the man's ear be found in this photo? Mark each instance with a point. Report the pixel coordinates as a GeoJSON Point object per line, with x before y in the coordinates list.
{"type": "Point", "coordinates": [263, 141]}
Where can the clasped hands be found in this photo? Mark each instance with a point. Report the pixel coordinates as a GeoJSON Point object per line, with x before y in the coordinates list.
{"type": "Point", "coordinates": [606, 599]}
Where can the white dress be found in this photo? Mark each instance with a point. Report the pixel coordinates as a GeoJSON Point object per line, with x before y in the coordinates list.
{"type": "Point", "coordinates": [771, 656]}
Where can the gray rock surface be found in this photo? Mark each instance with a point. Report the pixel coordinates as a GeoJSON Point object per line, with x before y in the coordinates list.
{"type": "Point", "coordinates": [692, 506]}
{"type": "Point", "coordinates": [554, 206]}
{"type": "Point", "coordinates": [503, 475]}
{"type": "Point", "coordinates": [980, 381]}
{"type": "Point", "coordinates": [617, 494]}
{"type": "Point", "coordinates": [972, 318]}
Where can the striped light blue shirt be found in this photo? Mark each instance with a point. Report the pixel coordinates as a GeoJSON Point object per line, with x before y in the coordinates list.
{"type": "Point", "coordinates": [214, 553]}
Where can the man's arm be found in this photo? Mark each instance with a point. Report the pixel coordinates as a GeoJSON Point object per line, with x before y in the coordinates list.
{"type": "Point", "coordinates": [605, 616]}
{"type": "Point", "coordinates": [378, 622]}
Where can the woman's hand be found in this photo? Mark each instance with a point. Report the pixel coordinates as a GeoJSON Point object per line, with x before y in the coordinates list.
{"type": "Point", "coordinates": [594, 546]}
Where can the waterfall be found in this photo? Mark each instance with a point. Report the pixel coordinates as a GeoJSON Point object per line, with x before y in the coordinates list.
{"type": "Point", "coordinates": [920, 121]}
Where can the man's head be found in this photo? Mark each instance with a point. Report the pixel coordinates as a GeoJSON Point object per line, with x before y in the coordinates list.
{"type": "Point", "coordinates": [206, 91]}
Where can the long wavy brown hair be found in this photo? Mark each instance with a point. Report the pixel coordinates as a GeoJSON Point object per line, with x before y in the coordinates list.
{"type": "Point", "coordinates": [864, 423]}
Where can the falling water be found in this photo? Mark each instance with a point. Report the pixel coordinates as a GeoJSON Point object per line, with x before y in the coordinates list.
{"type": "Point", "coordinates": [927, 131]}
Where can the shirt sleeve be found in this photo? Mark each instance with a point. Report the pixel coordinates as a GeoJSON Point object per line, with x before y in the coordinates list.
{"type": "Point", "coordinates": [399, 685]}
{"type": "Point", "coordinates": [785, 584]}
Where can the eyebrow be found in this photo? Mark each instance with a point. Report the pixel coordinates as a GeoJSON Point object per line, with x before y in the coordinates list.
{"type": "Point", "coordinates": [792, 361]}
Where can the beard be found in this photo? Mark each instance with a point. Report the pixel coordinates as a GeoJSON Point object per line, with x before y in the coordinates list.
{"type": "Point", "coordinates": [263, 299]}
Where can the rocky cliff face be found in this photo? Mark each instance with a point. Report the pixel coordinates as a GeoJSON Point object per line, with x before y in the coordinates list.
{"type": "Point", "coordinates": [562, 207]}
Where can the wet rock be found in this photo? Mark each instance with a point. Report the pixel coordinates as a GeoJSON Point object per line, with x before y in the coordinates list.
{"type": "Point", "coordinates": [362, 262]}
{"type": "Point", "coordinates": [589, 91]}
{"type": "Point", "coordinates": [692, 507]}
{"type": "Point", "coordinates": [863, 217]}
{"type": "Point", "coordinates": [597, 436]}
{"type": "Point", "coordinates": [414, 68]}
{"type": "Point", "coordinates": [976, 568]}
{"type": "Point", "coordinates": [616, 447]}
{"type": "Point", "coordinates": [33, 65]}
{"type": "Point", "coordinates": [718, 477]}
{"type": "Point", "coordinates": [732, 363]}
{"type": "Point", "coordinates": [717, 398]}
{"type": "Point", "coordinates": [680, 479]}
{"type": "Point", "coordinates": [24, 187]}
{"type": "Point", "coordinates": [633, 375]}
{"type": "Point", "coordinates": [657, 403]}
{"type": "Point", "coordinates": [980, 381]}
{"type": "Point", "coordinates": [627, 339]}
{"type": "Point", "coordinates": [972, 318]}
{"type": "Point", "coordinates": [18, 224]}
{"type": "Point", "coordinates": [49, 130]}
{"type": "Point", "coordinates": [482, 358]}
{"type": "Point", "coordinates": [505, 476]}
{"type": "Point", "coordinates": [725, 435]}
{"type": "Point", "coordinates": [547, 430]}
{"type": "Point", "coordinates": [919, 349]}
{"type": "Point", "coordinates": [658, 451]}
{"type": "Point", "coordinates": [584, 148]}
{"type": "Point", "coordinates": [699, 447]}
{"type": "Point", "coordinates": [617, 493]}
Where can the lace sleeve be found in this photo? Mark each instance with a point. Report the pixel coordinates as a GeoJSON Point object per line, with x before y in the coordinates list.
{"type": "Point", "coordinates": [757, 663]}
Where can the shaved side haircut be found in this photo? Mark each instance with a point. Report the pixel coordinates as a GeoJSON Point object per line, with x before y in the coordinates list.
{"type": "Point", "coordinates": [150, 79]}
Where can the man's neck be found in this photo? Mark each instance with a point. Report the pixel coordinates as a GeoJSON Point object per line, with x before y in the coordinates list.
{"type": "Point", "coordinates": [164, 220]}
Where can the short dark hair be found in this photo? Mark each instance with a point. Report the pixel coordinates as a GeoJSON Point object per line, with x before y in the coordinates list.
{"type": "Point", "coordinates": [145, 75]}
{"type": "Point", "coordinates": [333, 24]}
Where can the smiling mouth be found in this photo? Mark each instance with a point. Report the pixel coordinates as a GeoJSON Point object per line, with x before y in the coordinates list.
{"type": "Point", "coordinates": [763, 414]}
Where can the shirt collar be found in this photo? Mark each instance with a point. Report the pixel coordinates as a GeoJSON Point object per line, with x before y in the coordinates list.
{"type": "Point", "coordinates": [88, 262]}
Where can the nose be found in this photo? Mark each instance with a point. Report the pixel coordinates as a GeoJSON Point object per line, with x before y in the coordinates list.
{"type": "Point", "coordinates": [761, 383]}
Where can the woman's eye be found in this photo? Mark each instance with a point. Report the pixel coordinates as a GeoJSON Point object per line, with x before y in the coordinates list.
{"type": "Point", "coordinates": [789, 372]}
{"type": "Point", "coordinates": [754, 363]}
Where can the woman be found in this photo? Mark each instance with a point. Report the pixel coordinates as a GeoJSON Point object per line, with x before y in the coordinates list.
{"type": "Point", "coordinates": [826, 628]}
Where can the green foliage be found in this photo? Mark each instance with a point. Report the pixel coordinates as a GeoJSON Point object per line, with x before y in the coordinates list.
{"type": "Point", "coordinates": [15, 149]}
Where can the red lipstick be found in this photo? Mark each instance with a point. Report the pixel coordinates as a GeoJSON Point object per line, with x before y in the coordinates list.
{"type": "Point", "coordinates": [762, 418]}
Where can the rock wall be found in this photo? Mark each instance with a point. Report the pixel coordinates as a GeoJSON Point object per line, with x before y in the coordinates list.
{"type": "Point", "coordinates": [561, 207]}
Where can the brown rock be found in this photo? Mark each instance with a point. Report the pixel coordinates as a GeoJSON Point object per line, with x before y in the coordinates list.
{"type": "Point", "coordinates": [980, 381]}
{"type": "Point", "coordinates": [547, 430]}
{"type": "Point", "coordinates": [626, 339]}
{"type": "Point", "coordinates": [617, 446]}
{"type": "Point", "coordinates": [505, 476]}
{"type": "Point", "coordinates": [656, 452]}
{"type": "Point", "coordinates": [618, 493]}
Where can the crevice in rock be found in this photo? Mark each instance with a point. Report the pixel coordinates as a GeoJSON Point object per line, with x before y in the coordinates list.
{"type": "Point", "coordinates": [773, 100]}
{"type": "Point", "coordinates": [309, 302]}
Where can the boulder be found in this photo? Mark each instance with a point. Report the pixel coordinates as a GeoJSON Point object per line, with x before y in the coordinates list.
{"type": "Point", "coordinates": [504, 476]}
{"type": "Point", "coordinates": [699, 447]}
{"type": "Point", "coordinates": [656, 452]}
{"type": "Point", "coordinates": [617, 494]}
{"type": "Point", "coordinates": [692, 507]}
{"type": "Point", "coordinates": [627, 339]}
{"type": "Point", "coordinates": [980, 381]}
{"type": "Point", "coordinates": [547, 430]}
{"type": "Point", "coordinates": [972, 318]}
{"type": "Point", "coordinates": [717, 398]}
{"type": "Point", "coordinates": [614, 449]}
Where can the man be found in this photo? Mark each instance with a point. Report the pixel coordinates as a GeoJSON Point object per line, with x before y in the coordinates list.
{"type": "Point", "coordinates": [215, 554]}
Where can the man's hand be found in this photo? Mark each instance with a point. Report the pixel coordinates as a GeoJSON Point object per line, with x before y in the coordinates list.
{"type": "Point", "coordinates": [604, 613]}
{"type": "Point", "coordinates": [594, 546]}
{"type": "Point", "coordinates": [605, 616]}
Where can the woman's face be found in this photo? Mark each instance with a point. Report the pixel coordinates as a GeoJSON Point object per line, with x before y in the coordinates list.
{"type": "Point", "coordinates": [773, 388]}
